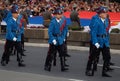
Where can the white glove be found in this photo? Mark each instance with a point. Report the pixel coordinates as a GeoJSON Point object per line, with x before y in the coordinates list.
{"type": "Point", "coordinates": [97, 45]}
{"type": "Point", "coordinates": [54, 42]}
{"type": "Point", "coordinates": [31, 15]}
{"type": "Point", "coordinates": [64, 40]}
{"type": "Point", "coordinates": [68, 34]}
{"type": "Point", "coordinates": [14, 39]}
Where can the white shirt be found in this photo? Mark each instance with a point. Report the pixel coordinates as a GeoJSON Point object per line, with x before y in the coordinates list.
{"type": "Point", "coordinates": [103, 20]}
{"type": "Point", "coordinates": [14, 19]}
{"type": "Point", "coordinates": [58, 20]}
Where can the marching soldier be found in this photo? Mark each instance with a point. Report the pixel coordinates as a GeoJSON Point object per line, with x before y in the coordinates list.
{"type": "Point", "coordinates": [99, 51]}
{"type": "Point", "coordinates": [13, 37]}
{"type": "Point", "coordinates": [23, 21]}
{"type": "Point", "coordinates": [22, 24]}
{"type": "Point", "coordinates": [99, 41]}
{"type": "Point", "coordinates": [65, 51]}
{"type": "Point", "coordinates": [57, 33]}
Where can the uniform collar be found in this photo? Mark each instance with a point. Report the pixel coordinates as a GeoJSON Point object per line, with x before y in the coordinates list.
{"type": "Point", "coordinates": [14, 19]}
{"type": "Point", "coordinates": [58, 20]}
{"type": "Point", "coordinates": [103, 20]}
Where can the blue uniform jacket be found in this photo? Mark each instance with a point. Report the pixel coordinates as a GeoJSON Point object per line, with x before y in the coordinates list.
{"type": "Point", "coordinates": [54, 29]}
{"type": "Point", "coordinates": [13, 30]}
{"type": "Point", "coordinates": [99, 28]}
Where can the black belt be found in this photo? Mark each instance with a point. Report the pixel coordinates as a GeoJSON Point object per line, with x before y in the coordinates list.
{"type": "Point", "coordinates": [15, 31]}
{"type": "Point", "coordinates": [56, 35]}
{"type": "Point", "coordinates": [102, 36]}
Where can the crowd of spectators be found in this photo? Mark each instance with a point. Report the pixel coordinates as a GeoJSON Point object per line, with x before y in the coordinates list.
{"type": "Point", "coordinates": [35, 8]}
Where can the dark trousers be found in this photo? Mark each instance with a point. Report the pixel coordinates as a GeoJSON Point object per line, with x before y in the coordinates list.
{"type": "Point", "coordinates": [64, 47]}
{"type": "Point", "coordinates": [22, 41]}
{"type": "Point", "coordinates": [7, 51]}
{"type": "Point", "coordinates": [94, 55]}
{"type": "Point", "coordinates": [52, 53]}
{"type": "Point", "coordinates": [13, 48]}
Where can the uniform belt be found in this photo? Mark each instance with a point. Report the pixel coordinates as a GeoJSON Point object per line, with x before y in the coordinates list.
{"type": "Point", "coordinates": [56, 35]}
{"type": "Point", "coordinates": [102, 36]}
{"type": "Point", "coordinates": [15, 31]}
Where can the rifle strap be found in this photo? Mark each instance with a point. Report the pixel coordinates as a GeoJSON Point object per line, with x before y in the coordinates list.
{"type": "Point", "coordinates": [62, 26]}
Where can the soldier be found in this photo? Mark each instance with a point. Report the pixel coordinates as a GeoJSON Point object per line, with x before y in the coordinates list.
{"type": "Point", "coordinates": [24, 21]}
{"type": "Point", "coordinates": [99, 41]}
{"type": "Point", "coordinates": [57, 33]}
{"type": "Point", "coordinates": [23, 24]}
{"type": "Point", "coordinates": [65, 52]}
{"type": "Point", "coordinates": [99, 51]}
{"type": "Point", "coordinates": [13, 37]}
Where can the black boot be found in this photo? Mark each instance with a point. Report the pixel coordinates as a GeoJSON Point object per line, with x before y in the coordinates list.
{"type": "Point", "coordinates": [7, 62]}
{"type": "Point", "coordinates": [88, 73]}
{"type": "Point", "coordinates": [109, 69]}
{"type": "Point", "coordinates": [24, 50]}
{"type": "Point", "coordinates": [3, 63]}
{"type": "Point", "coordinates": [63, 69]}
{"type": "Point", "coordinates": [47, 68]}
{"type": "Point", "coordinates": [104, 71]}
{"type": "Point", "coordinates": [21, 64]}
{"type": "Point", "coordinates": [67, 55]}
{"type": "Point", "coordinates": [48, 63]}
{"type": "Point", "coordinates": [23, 54]}
{"type": "Point", "coordinates": [112, 64]}
{"type": "Point", "coordinates": [104, 74]}
{"type": "Point", "coordinates": [19, 60]}
{"type": "Point", "coordinates": [66, 65]}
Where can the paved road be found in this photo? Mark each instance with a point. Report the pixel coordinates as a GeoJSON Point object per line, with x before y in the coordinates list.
{"type": "Point", "coordinates": [35, 61]}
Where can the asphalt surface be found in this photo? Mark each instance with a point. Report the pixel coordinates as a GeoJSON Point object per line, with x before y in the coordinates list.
{"type": "Point", "coordinates": [34, 70]}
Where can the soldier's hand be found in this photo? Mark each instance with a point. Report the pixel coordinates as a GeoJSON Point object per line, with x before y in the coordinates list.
{"type": "Point", "coordinates": [64, 40]}
{"type": "Point", "coordinates": [97, 45]}
{"type": "Point", "coordinates": [14, 39]}
{"type": "Point", "coordinates": [54, 42]}
{"type": "Point", "coordinates": [68, 34]}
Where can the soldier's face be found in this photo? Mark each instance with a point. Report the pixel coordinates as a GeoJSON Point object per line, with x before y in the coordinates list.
{"type": "Point", "coordinates": [15, 15]}
{"type": "Point", "coordinates": [58, 16]}
{"type": "Point", "coordinates": [103, 15]}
